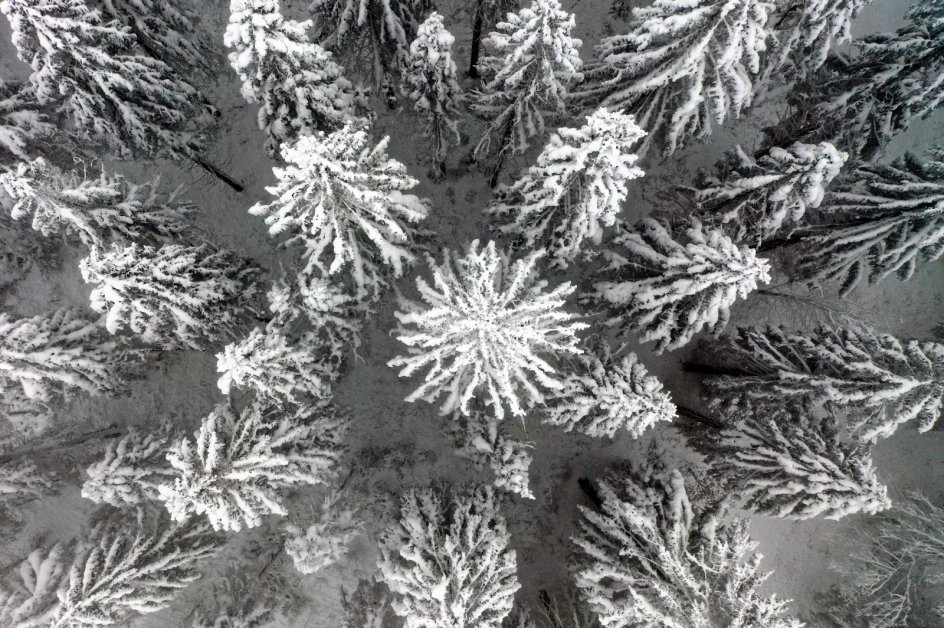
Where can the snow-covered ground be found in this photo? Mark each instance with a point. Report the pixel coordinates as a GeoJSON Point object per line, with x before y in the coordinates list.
{"type": "Point", "coordinates": [182, 386]}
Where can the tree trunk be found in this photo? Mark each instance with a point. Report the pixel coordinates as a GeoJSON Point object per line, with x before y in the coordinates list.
{"type": "Point", "coordinates": [500, 158]}
{"type": "Point", "coordinates": [476, 38]}
{"type": "Point", "coordinates": [219, 174]}
{"type": "Point", "coordinates": [104, 433]}
{"type": "Point", "coordinates": [698, 417]}
{"type": "Point", "coordinates": [707, 369]}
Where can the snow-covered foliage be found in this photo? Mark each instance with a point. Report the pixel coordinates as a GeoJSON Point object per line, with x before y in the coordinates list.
{"type": "Point", "coordinates": [807, 31]}
{"type": "Point", "coordinates": [122, 568]}
{"type": "Point", "coordinates": [333, 313]}
{"type": "Point", "coordinates": [174, 296]}
{"type": "Point", "coordinates": [486, 326]}
{"type": "Point", "coordinates": [132, 468]}
{"type": "Point", "coordinates": [669, 289]}
{"type": "Point", "coordinates": [97, 210]}
{"type": "Point", "coordinates": [683, 66]}
{"type": "Point", "coordinates": [883, 381]}
{"type": "Point", "coordinates": [790, 466]}
{"type": "Point", "coordinates": [897, 565]}
{"type": "Point", "coordinates": [429, 81]}
{"type": "Point", "coordinates": [607, 393]}
{"type": "Point", "coordinates": [299, 88]}
{"type": "Point", "coordinates": [373, 36]}
{"type": "Point", "coordinates": [862, 100]}
{"type": "Point", "coordinates": [755, 198]}
{"type": "Point", "coordinates": [89, 69]}
{"type": "Point", "coordinates": [575, 189]}
{"type": "Point", "coordinates": [649, 557]}
{"type": "Point", "coordinates": [324, 542]}
{"type": "Point", "coordinates": [277, 368]}
{"type": "Point", "coordinates": [169, 30]}
{"type": "Point", "coordinates": [22, 480]}
{"type": "Point", "coordinates": [236, 602]}
{"type": "Point", "coordinates": [23, 124]}
{"type": "Point", "coordinates": [448, 563]}
{"type": "Point", "coordinates": [238, 463]}
{"type": "Point", "coordinates": [53, 356]}
{"type": "Point", "coordinates": [480, 439]}
{"type": "Point", "coordinates": [888, 219]}
{"type": "Point", "coordinates": [344, 201]}
{"type": "Point", "coordinates": [530, 64]}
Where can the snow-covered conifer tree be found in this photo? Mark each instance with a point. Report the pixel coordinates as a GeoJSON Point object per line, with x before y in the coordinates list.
{"type": "Point", "coordinates": [132, 468]}
{"type": "Point", "coordinates": [175, 296]}
{"type": "Point", "coordinates": [372, 35]}
{"type": "Point", "coordinates": [531, 64]}
{"type": "Point", "coordinates": [277, 368]}
{"type": "Point", "coordinates": [448, 563]}
{"type": "Point", "coordinates": [669, 290]}
{"type": "Point", "coordinates": [888, 218]}
{"type": "Point", "coordinates": [121, 569]}
{"type": "Point", "coordinates": [238, 463]}
{"type": "Point", "coordinates": [329, 310]}
{"type": "Point", "coordinates": [324, 542]}
{"type": "Point", "coordinates": [481, 440]}
{"type": "Point", "coordinates": [98, 210]}
{"type": "Point", "coordinates": [22, 480]}
{"type": "Point", "coordinates": [344, 201]}
{"type": "Point", "coordinates": [650, 557]}
{"type": "Point", "coordinates": [683, 66]}
{"type": "Point", "coordinates": [169, 30]}
{"type": "Point", "coordinates": [486, 326]}
{"type": "Point", "coordinates": [897, 566]}
{"type": "Point", "coordinates": [429, 81]}
{"type": "Point", "coordinates": [807, 32]}
{"type": "Point", "coordinates": [757, 197]}
{"type": "Point", "coordinates": [299, 88]}
{"type": "Point", "coordinates": [798, 468]}
{"type": "Point", "coordinates": [23, 125]}
{"type": "Point", "coordinates": [91, 71]}
{"type": "Point", "coordinates": [53, 356]}
{"type": "Point", "coordinates": [575, 189]}
{"type": "Point", "coordinates": [607, 393]}
{"type": "Point", "coordinates": [861, 100]}
{"type": "Point", "coordinates": [882, 380]}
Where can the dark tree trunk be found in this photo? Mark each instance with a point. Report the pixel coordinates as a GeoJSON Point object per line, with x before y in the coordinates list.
{"type": "Point", "coordinates": [476, 38]}
{"type": "Point", "coordinates": [591, 492]}
{"type": "Point", "coordinates": [708, 369]}
{"type": "Point", "coordinates": [698, 417]}
{"type": "Point", "coordinates": [219, 174]}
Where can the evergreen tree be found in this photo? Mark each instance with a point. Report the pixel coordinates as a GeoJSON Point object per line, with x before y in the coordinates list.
{"type": "Point", "coordinates": [89, 69]}
{"type": "Point", "coordinates": [99, 210]}
{"type": "Point", "coordinates": [429, 79]}
{"type": "Point", "coordinates": [239, 463]}
{"type": "Point", "coordinates": [669, 290]}
{"type": "Point", "coordinates": [448, 562]}
{"type": "Point", "coordinates": [169, 30]}
{"type": "Point", "coordinates": [486, 326]}
{"type": "Point", "coordinates": [575, 189]}
{"type": "Point", "coordinates": [345, 202]}
{"type": "Point", "coordinates": [132, 468]}
{"type": "Point", "coordinates": [860, 101]}
{"type": "Point", "coordinates": [24, 127]}
{"type": "Point", "coordinates": [887, 219]}
{"type": "Point", "coordinates": [21, 480]}
{"type": "Point", "coordinates": [607, 393]}
{"type": "Point", "coordinates": [485, 15]}
{"type": "Point", "coordinates": [481, 440]}
{"type": "Point", "coordinates": [884, 381]}
{"type": "Point", "coordinates": [299, 88]}
{"type": "Point", "coordinates": [52, 356]}
{"type": "Point", "coordinates": [119, 570]}
{"type": "Point", "coordinates": [277, 368]}
{"type": "Point", "coordinates": [324, 542]}
{"type": "Point", "coordinates": [531, 64]}
{"type": "Point", "coordinates": [788, 466]}
{"type": "Point", "coordinates": [332, 313]}
{"type": "Point", "coordinates": [754, 198]}
{"type": "Point", "coordinates": [372, 34]}
{"type": "Point", "coordinates": [174, 296]}
{"type": "Point", "coordinates": [649, 557]}
{"type": "Point", "coordinates": [806, 33]}
{"type": "Point", "coordinates": [683, 66]}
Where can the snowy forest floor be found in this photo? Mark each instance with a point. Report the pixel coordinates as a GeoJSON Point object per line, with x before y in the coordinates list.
{"type": "Point", "coordinates": [398, 445]}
